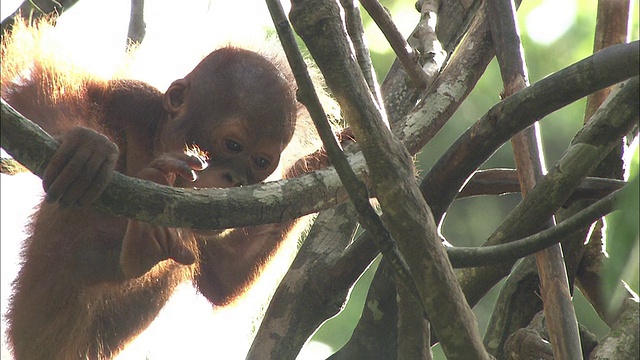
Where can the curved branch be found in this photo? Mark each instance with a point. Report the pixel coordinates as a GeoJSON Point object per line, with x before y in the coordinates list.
{"type": "Point", "coordinates": [607, 67]}
{"type": "Point", "coordinates": [464, 257]}
{"type": "Point", "coordinates": [505, 181]}
{"type": "Point", "coordinates": [490, 255]}
{"type": "Point", "coordinates": [177, 207]}
{"type": "Point", "coordinates": [274, 202]}
{"type": "Point", "coordinates": [612, 121]}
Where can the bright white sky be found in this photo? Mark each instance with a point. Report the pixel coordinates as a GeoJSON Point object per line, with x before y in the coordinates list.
{"type": "Point", "coordinates": [552, 18]}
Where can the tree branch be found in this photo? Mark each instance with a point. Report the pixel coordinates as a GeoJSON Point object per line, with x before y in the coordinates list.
{"type": "Point", "coordinates": [408, 58]}
{"type": "Point", "coordinates": [450, 88]}
{"type": "Point", "coordinates": [313, 290]}
{"type": "Point", "coordinates": [399, 94]}
{"type": "Point", "coordinates": [375, 336]}
{"type": "Point", "coordinates": [623, 341]}
{"type": "Point", "coordinates": [177, 207]}
{"type": "Point", "coordinates": [590, 146]}
{"type": "Point", "coordinates": [505, 119]}
{"type": "Point", "coordinates": [554, 285]}
{"type": "Point", "coordinates": [137, 26]}
{"type": "Point", "coordinates": [406, 215]}
{"type": "Point", "coordinates": [512, 251]}
{"type": "Point", "coordinates": [462, 257]}
{"type": "Point", "coordinates": [356, 189]}
{"type": "Point", "coordinates": [355, 29]}
{"type": "Point", "coordinates": [611, 28]}
{"type": "Point", "coordinates": [505, 181]}
{"type": "Point", "coordinates": [517, 303]}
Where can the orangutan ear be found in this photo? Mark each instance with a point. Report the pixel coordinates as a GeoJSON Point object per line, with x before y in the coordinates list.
{"type": "Point", "coordinates": [174, 100]}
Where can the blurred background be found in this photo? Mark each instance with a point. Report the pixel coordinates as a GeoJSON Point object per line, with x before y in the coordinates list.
{"type": "Point", "coordinates": [555, 34]}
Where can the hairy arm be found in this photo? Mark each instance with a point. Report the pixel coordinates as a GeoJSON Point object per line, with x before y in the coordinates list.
{"type": "Point", "coordinates": [230, 263]}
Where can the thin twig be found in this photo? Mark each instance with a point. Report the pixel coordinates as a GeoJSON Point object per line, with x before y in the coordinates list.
{"type": "Point", "coordinates": [404, 52]}
{"type": "Point", "coordinates": [505, 181]}
{"type": "Point", "coordinates": [490, 255]}
{"type": "Point", "coordinates": [424, 40]}
{"type": "Point", "coordinates": [355, 30]}
{"type": "Point", "coordinates": [137, 26]}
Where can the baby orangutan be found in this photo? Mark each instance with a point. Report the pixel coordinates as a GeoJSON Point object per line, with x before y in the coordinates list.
{"type": "Point", "coordinates": [91, 282]}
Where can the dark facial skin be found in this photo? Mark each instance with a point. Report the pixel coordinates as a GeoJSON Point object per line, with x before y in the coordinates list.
{"type": "Point", "coordinates": [242, 130]}
{"type": "Point", "coordinates": [237, 156]}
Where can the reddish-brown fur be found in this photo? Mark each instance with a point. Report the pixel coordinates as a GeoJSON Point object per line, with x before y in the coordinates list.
{"type": "Point", "coordinates": [89, 283]}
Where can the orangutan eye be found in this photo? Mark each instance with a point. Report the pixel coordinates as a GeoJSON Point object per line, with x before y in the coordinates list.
{"type": "Point", "coordinates": [261, 162]}
{"type": "Point", "coordinates": [233, 146]}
